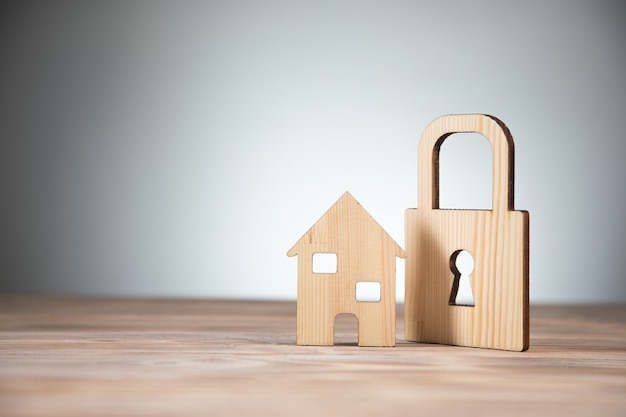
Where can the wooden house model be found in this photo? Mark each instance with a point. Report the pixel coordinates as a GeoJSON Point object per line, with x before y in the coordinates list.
{"type": "Point", "coordinates": [359, 277]}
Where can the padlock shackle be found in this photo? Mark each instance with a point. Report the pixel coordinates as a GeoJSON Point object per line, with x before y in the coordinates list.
{"type": "Point", "coordinates": [503, 157]}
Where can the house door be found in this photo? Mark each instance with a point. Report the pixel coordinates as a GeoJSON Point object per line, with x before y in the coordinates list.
{"type": "Point", "coordinates": [346, 330]}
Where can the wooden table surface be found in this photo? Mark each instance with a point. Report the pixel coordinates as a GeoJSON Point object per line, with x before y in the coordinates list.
{"type": "Point", "coordinates": [141, 357]}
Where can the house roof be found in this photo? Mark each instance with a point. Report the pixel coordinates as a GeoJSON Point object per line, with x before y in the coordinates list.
{"type": "Point", "coordinates": [346, 212]}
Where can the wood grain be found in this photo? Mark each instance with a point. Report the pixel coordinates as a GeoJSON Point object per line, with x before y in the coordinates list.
{"type": "Point", "coordinates": [365, 253]}
{"type": "Point", "coordinates": [117, 357]}
{"type": "Point", "coordinates": [498, 240]}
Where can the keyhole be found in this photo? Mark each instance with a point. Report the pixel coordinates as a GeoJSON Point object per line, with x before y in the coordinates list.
{"type": "Point", "coordinates": [462, 266]}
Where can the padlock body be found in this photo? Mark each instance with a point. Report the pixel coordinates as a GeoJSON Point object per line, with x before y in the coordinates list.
{"type": "Point", "coordinates": [498, 242]}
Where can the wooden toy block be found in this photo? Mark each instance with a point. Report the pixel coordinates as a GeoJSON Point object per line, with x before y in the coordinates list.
{"type": "Point", "coordinates": [497, 239]}
{"type": "Point", "coordinates": [361, 283]}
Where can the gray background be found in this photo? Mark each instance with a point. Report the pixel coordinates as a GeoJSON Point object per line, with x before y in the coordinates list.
{"type": "Point", "coordinates": [181, 148]}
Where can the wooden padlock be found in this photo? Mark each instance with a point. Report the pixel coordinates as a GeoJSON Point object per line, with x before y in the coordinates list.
{"type": "Point", "coordinates": [498, 240]}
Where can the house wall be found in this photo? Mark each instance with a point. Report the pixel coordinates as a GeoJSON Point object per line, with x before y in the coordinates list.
{"type": "Point", "coordinates": [322, 296]}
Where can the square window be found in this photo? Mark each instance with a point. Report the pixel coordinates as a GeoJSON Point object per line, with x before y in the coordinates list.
{"type": "Point", "coordinates": [324, 263]}
{"type": "Point", "coordinates": [368, 291]}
